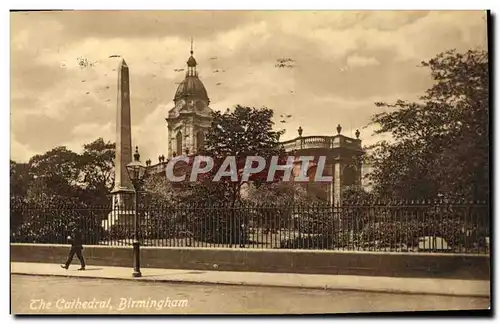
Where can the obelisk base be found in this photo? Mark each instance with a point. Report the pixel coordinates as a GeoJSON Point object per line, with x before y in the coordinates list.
{"type": "Point", "coordinates": [123, 209]}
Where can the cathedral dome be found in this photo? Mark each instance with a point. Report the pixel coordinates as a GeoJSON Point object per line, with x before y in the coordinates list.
{"type": "Point", "coordinates": [191, 87]}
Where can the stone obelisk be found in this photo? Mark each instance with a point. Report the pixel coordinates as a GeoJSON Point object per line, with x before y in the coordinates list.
{"type": "Point", "coordinates": [123, 189]}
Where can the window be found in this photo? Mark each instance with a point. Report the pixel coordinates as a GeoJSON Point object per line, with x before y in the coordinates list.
{"type": "Point", "coordinates": [178, 145]}
{"type": "Point", "coordinates": [200, 140]}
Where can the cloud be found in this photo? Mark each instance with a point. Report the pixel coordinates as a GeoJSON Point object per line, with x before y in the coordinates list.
{"type": "Point", "coordinates": [86, 133]}
{"type": "Point", "coordinates": [369, 137]}
{"type": "Point", "coordinates": [138, 24]}
{"type": "Point", "coordinates": [20, 152]}
{"type": "Point", "coordinates": [328, 112]}
{"type": "Point", "coordinates": [410, 35]}
{"type": "Point", "coordinates": [360, 61]}
{"type": "Point", "coordinates": [237, 38]}
{"type": "Point", "coordinates": [151, 134]}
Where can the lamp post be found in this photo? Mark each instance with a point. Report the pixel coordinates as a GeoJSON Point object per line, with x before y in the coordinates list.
{"type": "Point", "coordinates": [136, 171]}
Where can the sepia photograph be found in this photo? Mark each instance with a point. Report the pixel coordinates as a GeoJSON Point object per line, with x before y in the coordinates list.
{"type": "Point", "coordinates": [250, 162]}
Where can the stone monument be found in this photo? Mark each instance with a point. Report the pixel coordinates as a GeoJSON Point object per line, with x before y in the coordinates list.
{"type": "Point", "coordinates": [123, 190]}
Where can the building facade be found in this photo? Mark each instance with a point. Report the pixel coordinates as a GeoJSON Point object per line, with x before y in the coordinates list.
{"type": "Point", "coordinates": [342, 163]}
{"type": "Point", "coordinates": [191, 117]}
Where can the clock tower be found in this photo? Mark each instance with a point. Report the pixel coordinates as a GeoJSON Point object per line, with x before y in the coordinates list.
{"type": "Point", "coordinates": [191, 116]}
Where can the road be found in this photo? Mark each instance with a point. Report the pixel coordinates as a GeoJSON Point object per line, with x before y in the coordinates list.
{"type": "Point", "coordinates": [59, 295]}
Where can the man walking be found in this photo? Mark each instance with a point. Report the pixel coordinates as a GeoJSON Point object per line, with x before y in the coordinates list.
{"type": "Point", "coordinates": [76, 247]}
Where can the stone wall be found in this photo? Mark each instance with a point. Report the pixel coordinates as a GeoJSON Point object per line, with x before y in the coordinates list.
{"type": "Point", "coordinates": [394, 264]}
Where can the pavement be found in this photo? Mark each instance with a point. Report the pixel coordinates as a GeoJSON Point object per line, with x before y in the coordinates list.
{"type": "Point", "coordinates": [418, 286]}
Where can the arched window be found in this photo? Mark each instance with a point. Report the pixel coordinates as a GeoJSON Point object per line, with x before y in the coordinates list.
{"type": "Point", "coordinates": [200, 140]}
{"type": "Point", "coordinates": [178, 141]}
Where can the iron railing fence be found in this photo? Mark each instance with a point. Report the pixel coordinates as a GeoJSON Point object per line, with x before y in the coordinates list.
{"type": "Point", "coordinates": [402, 226]}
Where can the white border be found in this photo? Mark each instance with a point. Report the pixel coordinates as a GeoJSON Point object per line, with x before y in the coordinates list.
{"type": "Point", "coordinates": [155, 4]}
{"type": "Point", "coordinates": [257, 5]}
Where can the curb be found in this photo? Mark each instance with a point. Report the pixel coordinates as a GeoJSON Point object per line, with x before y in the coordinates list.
{"type": "Point", "coordinates": [243, 283]}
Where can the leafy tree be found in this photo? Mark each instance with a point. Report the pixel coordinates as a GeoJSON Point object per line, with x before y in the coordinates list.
{"type": "Point", "coordinates": [19, 179]}
{"type": "Point", "coordinates": [96, 167]}
{"type": "Point", "coordinates": [282, 197]}
{"type": "Point", "coordinates": [280, 193]}
{"type": "Point", "coordinates": [159, 191]}
{"type": "Point", "coordinates": [355, 195]}
{"type": "Point", "coordinates": [65, 174]}
{"type": "Point", "coordinates": [48, 222]}
{"type": "Point", "coordinates": [240, 133]}
{"type": "Point", "coordinates": [58, 178]}
{"type": "Point", "coordinates": [55, 173]}
{"type": "Point", "coordinates": [441, 142]}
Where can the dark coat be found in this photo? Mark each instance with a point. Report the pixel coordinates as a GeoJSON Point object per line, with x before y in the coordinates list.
{"type": "Point", "coordinates": [76, 239]}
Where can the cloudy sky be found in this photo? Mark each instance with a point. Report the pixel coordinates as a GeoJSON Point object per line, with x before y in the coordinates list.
{"type": "Point", "coordinates": [344, 62]}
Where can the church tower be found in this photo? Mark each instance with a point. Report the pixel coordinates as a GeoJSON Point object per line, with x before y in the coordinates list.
{"type": "Point", "coordinates": [191, 116]}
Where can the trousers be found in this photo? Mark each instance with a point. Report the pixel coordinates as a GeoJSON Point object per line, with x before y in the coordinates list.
{"type": "Point", "coordinates": [78, 251]}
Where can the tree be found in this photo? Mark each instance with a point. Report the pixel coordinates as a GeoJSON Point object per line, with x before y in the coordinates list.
{"type": "Point", "coordinates": [284, 198]}
{"type": "Point", "coordinates": [355, 195]}
{"type": "Point", "coordinates": [280, 193]}
{"type": "Point", "coordinates": [87, 177]}
{"type": "Point", "coordinates": [49, 223]}
{"type": "Point", "coordinates": [96, 166]}
{"type": "Point", "coordinates": [159, 191]}
{"type": "Point", "coordinates": [441, 142]}
{"type": "Point", "coordinates": [60, 177]}
{"type": "Point", "coordinates": [240, 133]}
{"type": "Point", "coordinates": [55, 174]}
{"type": "Point", "coordinates": [19, 181]}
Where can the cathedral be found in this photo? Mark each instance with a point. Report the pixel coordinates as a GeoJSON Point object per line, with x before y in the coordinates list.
{"type": "Point", "coordinates": [191, 117]}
